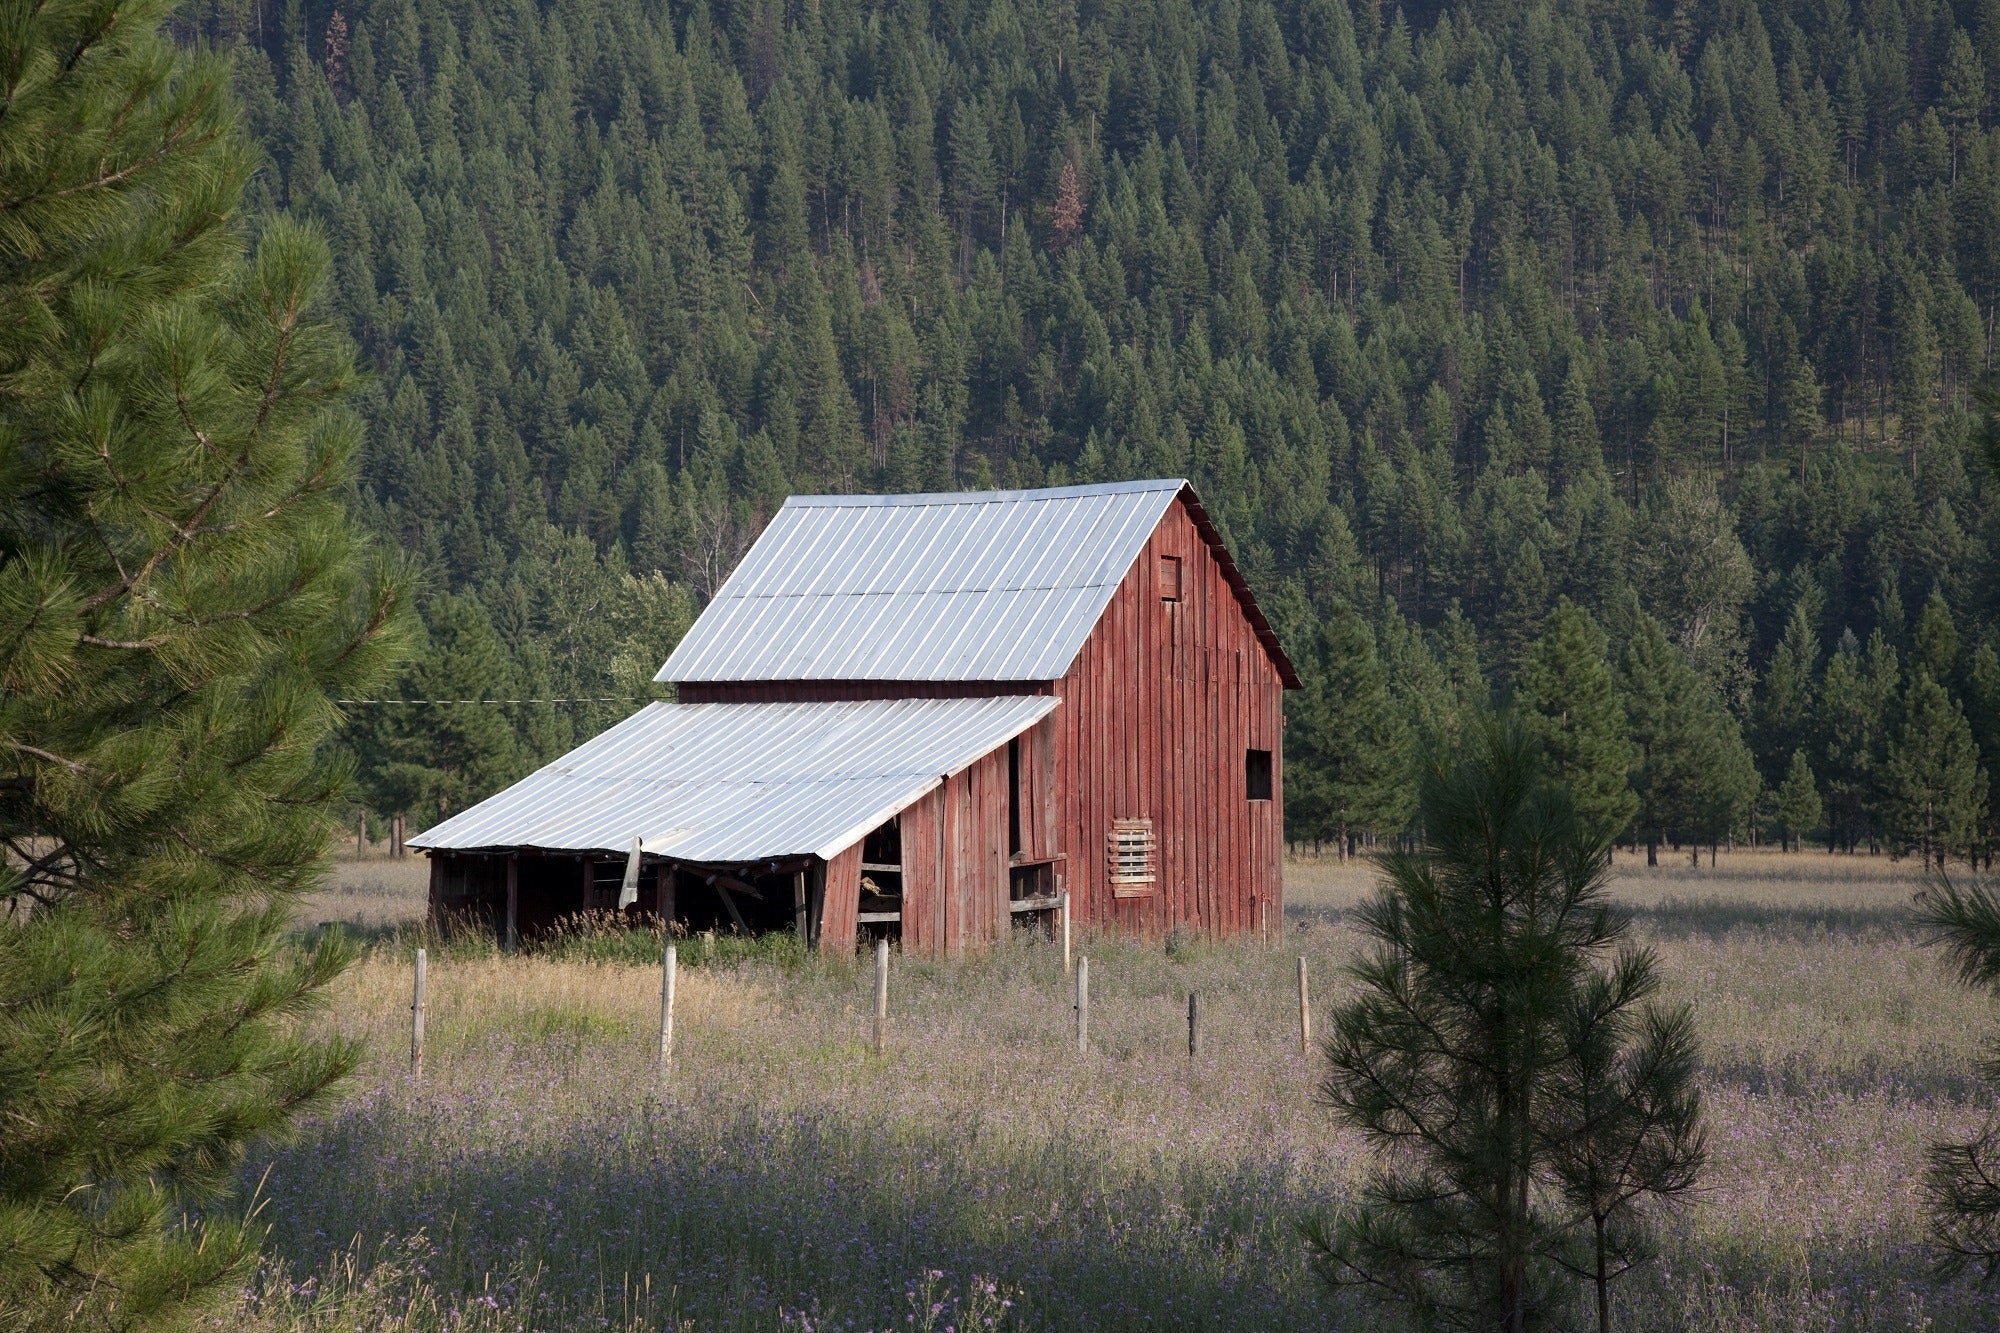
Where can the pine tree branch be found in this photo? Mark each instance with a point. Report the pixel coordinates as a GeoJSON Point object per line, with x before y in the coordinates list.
{"type": "Point", "coordinates": [21, 747]}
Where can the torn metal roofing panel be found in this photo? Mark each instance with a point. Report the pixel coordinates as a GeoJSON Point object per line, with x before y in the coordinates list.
{"type": "Point", "coordinates": [742, 781]}
{"type": "Point", "coordinates": [990, 585]}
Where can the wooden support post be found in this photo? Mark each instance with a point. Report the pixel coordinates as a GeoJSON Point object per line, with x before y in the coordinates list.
{"type": "Point", "coordinates": [417, 1018]}
{"type": "Point", "coordinates": [1065, 924]}
{"type": "Point", "coordinates": [668, 966]}
{"type": "Point", "coordinates": [669, 881]}
{"type": "Point", "coordinates": [881, 995]}
{"type": "Point", "coordinates": [396, 838]}
{"type": "Point", "coordinates": [511, 935]}
{"type": "Point", "coordinates": [589, 882]}
{"type": "Point", "coordinates": [1194, 1024]}
{"type": "Point", "coordinates": [799, 904]}
{"type": "Point", "coordinates": [1305, 1011]}
{"type": "Point", "coordinates": [360, 835]}
{"type": "Point", "coordinates": [1083, 1004]}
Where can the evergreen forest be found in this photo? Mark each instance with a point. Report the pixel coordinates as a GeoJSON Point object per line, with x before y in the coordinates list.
{"type": "Point", "coordinates": [1616, 359]}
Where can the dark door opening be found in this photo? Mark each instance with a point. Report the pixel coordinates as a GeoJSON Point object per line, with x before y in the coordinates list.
{"type": "Point", "coordinates": [880, 916]}
{"type": "Point", "coordinates": [1014, 797]}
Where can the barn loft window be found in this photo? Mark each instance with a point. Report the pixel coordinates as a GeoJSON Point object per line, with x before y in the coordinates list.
{"type": "Point", "coordinates": [1170, 578]}
{"type": "Point", "coordinates": [1133, 857]}
{"type": "Point", "coordinates": [1257, 774]}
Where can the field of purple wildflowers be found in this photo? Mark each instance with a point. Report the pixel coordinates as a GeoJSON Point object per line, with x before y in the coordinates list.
{"type": "Point", "coordinates": [983, 1174]}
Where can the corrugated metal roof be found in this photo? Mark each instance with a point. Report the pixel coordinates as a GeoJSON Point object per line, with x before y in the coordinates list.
{"type": "Point", "coordinates": [742, 782]}
{"type": "Point", "coordinates": [989, 585]}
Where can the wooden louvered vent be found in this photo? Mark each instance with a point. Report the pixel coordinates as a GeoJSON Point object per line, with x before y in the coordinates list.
{"type": "Point", "coordinates": [1133, 857]}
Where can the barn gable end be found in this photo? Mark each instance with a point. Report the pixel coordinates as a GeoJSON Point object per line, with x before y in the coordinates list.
{"type": "Point", "coordinates": [1160, 710]}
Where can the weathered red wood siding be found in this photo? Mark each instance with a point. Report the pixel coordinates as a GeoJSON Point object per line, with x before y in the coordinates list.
{"type": "Point", "coordinates": [840, 902]}
{"type": "Point", "coordinates": [924, 874]}
{"type": "Point", "coordinates": [1041, 822]}
{"type": "Point", "coordinates": [1158, 712]}
{"type": "Point", "coordinates": [955, 861]}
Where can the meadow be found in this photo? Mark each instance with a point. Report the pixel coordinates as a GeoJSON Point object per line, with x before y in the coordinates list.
{"type": "Point", "coordinates": [982, 1173]}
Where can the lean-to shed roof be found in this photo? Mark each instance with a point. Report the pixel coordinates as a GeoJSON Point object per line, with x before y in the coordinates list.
{"type": "Point", "coordinates": [980, 586]}
{"type": "Point", "coordinates": [742, 781]}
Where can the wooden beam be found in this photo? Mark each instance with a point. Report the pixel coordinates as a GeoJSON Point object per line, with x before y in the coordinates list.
{"type": "Point", "coordinates": [512, 935]}
{"type": "Point", "coordinates": [738, 885]}
{"type": "Point", "coordinates": [722, 891]}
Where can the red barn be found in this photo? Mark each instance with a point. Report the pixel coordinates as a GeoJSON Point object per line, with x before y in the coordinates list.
{"type": "Point", "coordinates": [927, 716]}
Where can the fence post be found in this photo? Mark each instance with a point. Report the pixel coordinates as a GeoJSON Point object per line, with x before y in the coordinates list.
{"type": "Point", "coordinates": [417, 1018]}
{"type": "Point", "coordinates": [668, 966]}
{"type": "Point", "coordinates": [1083, 1004]}
{"type": "Point", "coordinates": [1305, 1011]}
{"type": "Point", "coordinates": [1194, 1024]}
{"type": "Point", "coordinates": [881, 995]}
{"type": "Point", "coordinates": [1065, 919]}
{"type": "Point", "coordinates": [360, 834]}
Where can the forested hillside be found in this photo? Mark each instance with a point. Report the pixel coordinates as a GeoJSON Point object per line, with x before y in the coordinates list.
{"type": "Point", "coordinates": [1451, 313]}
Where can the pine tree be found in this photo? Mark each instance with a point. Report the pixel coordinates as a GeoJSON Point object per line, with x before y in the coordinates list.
{"type": "Point", "coordinates": [1858, 698]}
{"type": "Point", "coordinates": [1501, 1049]}
{"type": "Point", "coordinates": [1578, 452]}
{"type": "Point", "coordinates": [1962, 1184]}
{"type": "Point", "coordinates": [1963, 90]}
{"type": "Point", "coordinates": [1624, 1126]}
{"type": "Point", "coordinates": [1348, 758]}
{"type": "Point", "coordinates": [1786, 706]}
{"type": "Point", "coordinates": [1665, 706]}
{"type": "Point", "coordinates": [457, 742]}
{"type": "Point", "coordinates": [1935, 786]}
{"type": "Point", "coordinates": [1798, 807]}
{"type": "Point", "coordinates": [1800, 408]}
{"type": "Point", "coordinates": [1567, 698]}
{"type": "Point", "coordinates": [1935, 644]}
{"type": "Point", "coordinates": [1731, 785]}
{"type": "Point", "coordinates": [180, 594]}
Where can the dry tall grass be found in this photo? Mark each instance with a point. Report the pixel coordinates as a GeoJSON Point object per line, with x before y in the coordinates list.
{"type": "Point", "coordinates": [543, 1175]}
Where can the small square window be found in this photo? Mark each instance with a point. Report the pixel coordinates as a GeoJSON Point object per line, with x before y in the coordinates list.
{"type": "Point", "coordinates": [1257, 774]}
{"type": "Point", "coordinates": [1170, 578]}
{"type": "Point", "coordinates": [1131, 853]}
